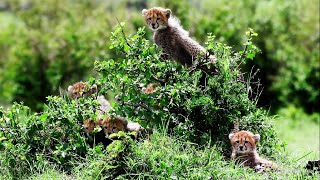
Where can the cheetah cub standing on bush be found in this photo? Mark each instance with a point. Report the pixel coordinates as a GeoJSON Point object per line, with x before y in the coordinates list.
{"type": "Point", "coordinates": [171, 37]}
{"type": "Point", "coordinates": [245, 151]}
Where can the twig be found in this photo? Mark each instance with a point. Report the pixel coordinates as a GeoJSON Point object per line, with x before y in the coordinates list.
{"type": "Point", "coordinates": [302, 156]}
{"type": "Point", "coordinates": [162, 81]}
{"type": "Point", "coordinates": [122, 92]}
{"type": "Point", "coordinates": [124, 35]}
{"type": "Point", "coordinates": [138, 105]}
{"type": "Point", "coordinates": [203, 66]}
{"type": "Point", "coordinates": [246, 47]}
{"type": "Point", "coordinates": [236, 126]}
{"type": "Point", "coordinates": [244, 51]}
{"type": "Point", "coordinates": [157, 79]}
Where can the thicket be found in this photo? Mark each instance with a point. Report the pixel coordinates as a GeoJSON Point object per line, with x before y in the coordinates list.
{"type": "Point", "coordinates": [50, 44]}
{"type": "Point", "coordinates": [200, 103]}
{"type": "Point", "coordinates": [289, 33]}
{"type": "Point", "coordinates": [196, 112]}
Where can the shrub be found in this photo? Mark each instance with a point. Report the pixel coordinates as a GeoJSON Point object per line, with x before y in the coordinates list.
{"type": "Point", "coordinates": [106, 163]}
{"type": "Point", "coordinates": [288, 38]}
{"type": "Point", "coordinates": [54, 135]}
{"type": "Point", "coordinates": [53, 45]}
{"type": "Point", "coordinates": [196, 104]}
{"type": "Point", "coordinates": [67, 36]}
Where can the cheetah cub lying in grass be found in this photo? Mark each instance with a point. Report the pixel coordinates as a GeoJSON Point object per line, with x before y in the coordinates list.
{"type": "Point", "coordinates": [244, 150]}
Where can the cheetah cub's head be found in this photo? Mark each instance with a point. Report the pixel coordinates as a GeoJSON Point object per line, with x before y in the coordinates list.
{"type": "Point", "coordinates": [81, 89]}
{"type": "Point", "coordinates": [244, 142]}
{"type": "Point", "coordinates": [113, 125]}
{"type": "Point", "coordinates": [89, 125]}
{"type": "Point", "coordinates": [156, 18]}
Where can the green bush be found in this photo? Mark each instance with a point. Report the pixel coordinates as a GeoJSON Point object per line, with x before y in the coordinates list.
{"type": "Point", "coordinates": [196, 111]}
{"type": "Point", "coordinates": [54, 135]}
{"type": "Point", "coordinates": [288, 37]}
{"type": "Point", "coordinates": [163, 156]}
{"type": "Point", "coordinates": [53, 45]}
{"type": "Point", "coordinates": [202, 114]}
{"type": "Point", "coordinates": [106, 163]}
{"type": "Point", "coordinates": [173, 158]}
{"type": "Point", "coordinates": [58, 40]}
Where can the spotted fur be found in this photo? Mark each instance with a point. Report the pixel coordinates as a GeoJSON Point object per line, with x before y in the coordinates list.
{"type": "Point", "coordinates": [81, 89]}
{"type": "Point", "coordinates": [113, 125]}
{"type": "Point", "coordinates": [134, 127]}
{"type": "Point", "coordinates": [89, 125]}
{"type": "Point", "coordinates": [244, 150]}
{"type": "Point", "coordinates": [151, 88]}
{"type": "Point", "coordinates": [97, 137]}
{"type": "Point", "coordinates": [171, 37]}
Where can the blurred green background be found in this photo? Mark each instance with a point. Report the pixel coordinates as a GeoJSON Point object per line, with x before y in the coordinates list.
{"type": "Point", "coordinates": [45, 45]}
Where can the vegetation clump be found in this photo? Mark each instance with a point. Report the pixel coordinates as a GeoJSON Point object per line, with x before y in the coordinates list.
{"type": "Point", "coordinates": [195, 106]}
{"type": "Point", "coordinates": [200, 102]}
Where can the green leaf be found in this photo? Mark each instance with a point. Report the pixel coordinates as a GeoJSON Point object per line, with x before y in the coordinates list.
{"type": "Point", "coordinates": [148, 74]}
{"type": "Point", "coordinates": [43, 117]}
{"type": "Point", "coordinates": [250, 56]}
{"type": "Point", "coordinates": [126, 48]}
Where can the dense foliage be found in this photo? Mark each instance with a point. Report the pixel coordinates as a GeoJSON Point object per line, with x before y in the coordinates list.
{"type": "Point", "coordinates": [196, 112]}
{"type": "Point", "coordinates": [199, 103]}
{"type": "Point", "coordinates": [46, 45]}
{"type": "Point", "coordinates": [288, 37]}
{"type": "Point", "coordinates": [49, 44]}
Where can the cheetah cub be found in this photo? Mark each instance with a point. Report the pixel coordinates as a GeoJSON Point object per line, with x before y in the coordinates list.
{"type": "Point", "coordinates": [151, 88]}
{"type": "Point", "coordinates": [244, 151]}
{"type": "Point", "coordinates": [113, 125]}
{"type": "Point", "coordinates": [172, 38]}
{"type": "Point", "coordinates": [89, 125]}
{"type": "Point", "coordinates": [82, 89]}
{"type": "Point", "coordinates": [116, 124]}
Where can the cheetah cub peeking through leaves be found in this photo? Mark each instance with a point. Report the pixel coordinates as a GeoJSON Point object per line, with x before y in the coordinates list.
{"type": "Point", "coordinates": [244, 150]}
{"type": "Point", "coordinates": [112, 125]}
{"type": "Point", "coordinates": [82, 89]}
{"type": "Point", "coordinates": [172, 38]}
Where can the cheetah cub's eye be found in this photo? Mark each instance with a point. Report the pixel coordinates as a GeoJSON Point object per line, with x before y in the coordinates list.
{"type": "Point", "coordinates": [149, 19]}
{"type": "Point", "coordinates": [158, 19]}
{"type": "Point", "coordinates": [246, 142]}
{"type": "Point", "coordinates": [237, 142]}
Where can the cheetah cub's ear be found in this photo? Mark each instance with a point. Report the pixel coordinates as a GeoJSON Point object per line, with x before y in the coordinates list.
{"type": "Point", "coordinates": [256, 137]}
{"type": "Point", "coordinates": [144, 12]}
{"type": "Point", "coordinates": [167, 12]}
{"type": "Point", "coordinates": [231, 135]}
